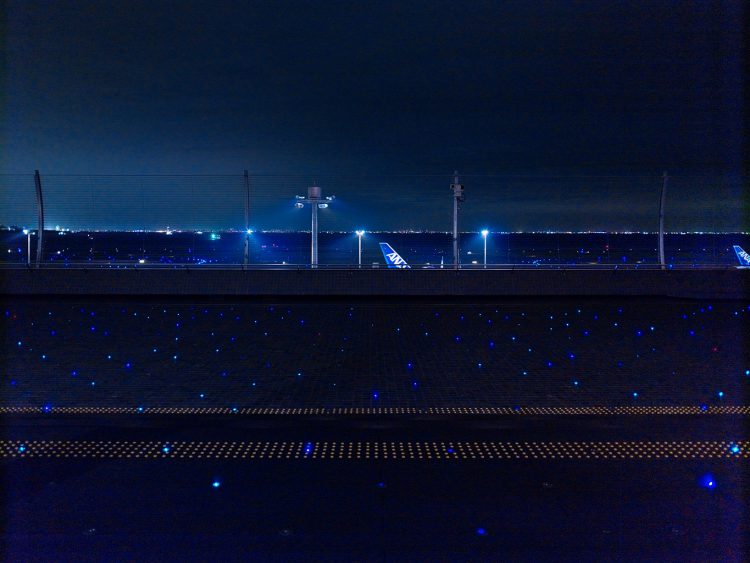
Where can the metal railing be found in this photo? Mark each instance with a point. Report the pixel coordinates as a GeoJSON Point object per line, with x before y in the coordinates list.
{"type": "Point", "coordinates": [123, 265]}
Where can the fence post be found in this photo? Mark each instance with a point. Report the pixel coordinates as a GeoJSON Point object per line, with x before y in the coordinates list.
{"type": "Point", "coordinates": [246, 258]}
{"type": "Point", "coordinates": [40, 218]}
{"type": "Point", "coordinates": [662, 203]}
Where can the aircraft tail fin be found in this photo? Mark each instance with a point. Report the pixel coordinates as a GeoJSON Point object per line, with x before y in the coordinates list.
{"type": "Point", "coordinates": [742, 256]}
{"type": "Point", "coordinates": [392, 258]}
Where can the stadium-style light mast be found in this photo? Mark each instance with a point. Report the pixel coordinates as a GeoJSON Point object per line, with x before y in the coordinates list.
{"type": "Point", "coordinates": [316, 201]}
{"type": "Point", "coordinates": [360, 233]}
{"type": "Point", "coordinates": [458, 197]}
{"type": "Point", "coordinates": [485, 232]}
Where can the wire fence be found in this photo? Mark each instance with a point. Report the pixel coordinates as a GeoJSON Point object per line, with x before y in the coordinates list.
{"type": "Point", "coordinates": [203, 209]}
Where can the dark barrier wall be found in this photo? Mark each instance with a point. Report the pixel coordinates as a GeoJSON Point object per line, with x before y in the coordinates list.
{"type": "Point", "coordinates": [711, 284]}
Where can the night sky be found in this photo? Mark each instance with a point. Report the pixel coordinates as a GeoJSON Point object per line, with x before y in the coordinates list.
{"type": "Point", "coordinates": [379, 88]}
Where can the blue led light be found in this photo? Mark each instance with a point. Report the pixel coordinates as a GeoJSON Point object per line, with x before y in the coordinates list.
{"type": "Point", "coordinates": [375, 395]}
{"type": "Point", "coordinates": [708, 481]}
{"type": "Point", "coordinates": [481, 532]}
{"type": "Point", "coordinates": [216, 484]}
{"type": "Point", "coordinates": [720, 394]}
{"type": "Point", "coordinates": [735, 449]}
{"type": "Point", "coordinates": [635, 394]}
{"type": "Point", "coordinates": [21, 448]}
{"type": "Point", "coordinates": [165, 449]}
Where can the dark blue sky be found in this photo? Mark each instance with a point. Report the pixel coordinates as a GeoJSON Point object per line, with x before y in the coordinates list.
{"type": "Point", "coordinates": [373, 87]}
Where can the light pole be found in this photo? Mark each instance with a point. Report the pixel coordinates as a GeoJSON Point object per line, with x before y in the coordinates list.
{"type": "Point", "coordinates": [316, 201]}
{"type": "Point", "coordinates": [28, 246]}
{"type": "Point", "coordinates": [359, 254]}
{"type": "Point", "coordinates": [485, 232]}
{"type": "Point", "coordinates": [458, 197]}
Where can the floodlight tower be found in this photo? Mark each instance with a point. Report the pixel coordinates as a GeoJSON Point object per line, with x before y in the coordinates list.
{"type": "Point", "coordinates": [458, 197]}
{"type": "Point", "coordinates": [316, 201]}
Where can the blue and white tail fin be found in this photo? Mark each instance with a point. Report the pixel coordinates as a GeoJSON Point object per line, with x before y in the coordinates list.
{"type": "Point", "coordinates": [742, 256]}
{"type": "Point", "coordinates": [392, 258]}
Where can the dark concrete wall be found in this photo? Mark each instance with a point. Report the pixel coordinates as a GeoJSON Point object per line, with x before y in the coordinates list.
{"type": "Point", "coordinates": [714, 284]}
